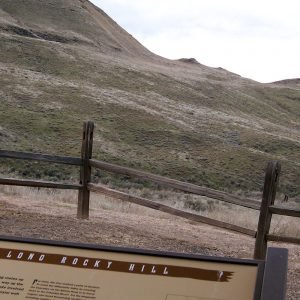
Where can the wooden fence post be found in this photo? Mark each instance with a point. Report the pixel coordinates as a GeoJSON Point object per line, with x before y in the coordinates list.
{"type": "Point", "coordinates": [85, 170]}
{"type": "Point", "coordinates": [268, 198]}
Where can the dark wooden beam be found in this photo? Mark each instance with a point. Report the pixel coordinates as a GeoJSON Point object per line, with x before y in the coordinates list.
{"type": "Point", "coordinates": [167, 209]}
{"type": "Point", "coordinates": [284, 239]}
{"type": "Point", "coordinates": [284, 211]}
{"type": "Point", "coordinates": [176, 184]}
{"type": "Point", "coordinates": [85, 170]}
{"type": "Point", "coordinates": [269, 194]}
{"type": "Point", "coordinates": [38, 183]}
{"type": "Point", "coordinates": [41, 157]}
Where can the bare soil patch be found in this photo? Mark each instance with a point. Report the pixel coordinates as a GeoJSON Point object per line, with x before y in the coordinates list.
{"type": "Point", "coordinates": [19, 216]}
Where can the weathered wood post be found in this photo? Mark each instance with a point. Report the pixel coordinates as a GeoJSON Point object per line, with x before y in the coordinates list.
{"type": "Point", "coordinates": [85, 170]}
{"type": "Point", "coordinates": [268, 198]}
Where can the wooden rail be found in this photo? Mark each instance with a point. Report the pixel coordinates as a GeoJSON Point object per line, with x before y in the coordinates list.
{"type": "Point", "coordinates": [41, 157]}
{"type": "Point", "coordinates": [176, 184]}
{"type": "Point", "coordinates": [284, 211]}
{"type": "Point", "coordinates": [264, 222]}
{"type": "Point", "coordinates": [38, 183]}
{"type": "Point", "coordinates": [285, 239]}
{"type": "Point", "coordinates": [85, 162]}
{"type": "Point", "coordinates": [167, 209]}
{"type": "Point", "coordinates": [85, 170]}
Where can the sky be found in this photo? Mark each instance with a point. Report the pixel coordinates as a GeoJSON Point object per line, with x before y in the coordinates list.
{"type": "Point", "coordinates": [257, 39]}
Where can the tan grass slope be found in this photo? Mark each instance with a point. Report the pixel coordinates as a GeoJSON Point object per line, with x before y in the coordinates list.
{"type": "Point", "coordinates": [76, 21]}
{"type": "Point", "coordinates": [66, 61]}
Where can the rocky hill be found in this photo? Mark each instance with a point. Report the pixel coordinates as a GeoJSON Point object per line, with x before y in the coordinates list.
{"type": "Point", "coordinates": [66, 61]}
{"type": "Point", "coordinates": [293, 83]}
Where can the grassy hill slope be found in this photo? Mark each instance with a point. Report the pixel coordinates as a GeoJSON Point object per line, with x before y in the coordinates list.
{"type": "Point", "coordinates": [64, 62]}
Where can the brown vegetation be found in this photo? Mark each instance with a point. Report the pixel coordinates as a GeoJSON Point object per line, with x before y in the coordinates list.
{"type": "Point", "coordinates": [48, 214]}
{"type": "Point", "coordinates": [65, 62]}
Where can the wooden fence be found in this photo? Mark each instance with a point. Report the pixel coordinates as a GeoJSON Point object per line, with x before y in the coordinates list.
{"type": "Point", "coordinates": [85, 186]}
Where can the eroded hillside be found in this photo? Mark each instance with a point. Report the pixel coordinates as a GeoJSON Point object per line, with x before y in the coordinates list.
{"type": "Point", "coordinates": [64, 62]}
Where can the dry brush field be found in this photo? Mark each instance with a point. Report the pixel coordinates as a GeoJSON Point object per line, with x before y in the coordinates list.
{"type": "Point", "coordinates": [47, 214]}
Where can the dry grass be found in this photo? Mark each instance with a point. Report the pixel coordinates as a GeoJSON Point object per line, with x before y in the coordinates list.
{"type": "Point", "coordinates": [51, 214]}
{"type": "Point", "coordinates": [65, 202]}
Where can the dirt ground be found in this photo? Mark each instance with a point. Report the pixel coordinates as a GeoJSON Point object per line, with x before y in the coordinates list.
{"type": "Point", "coordinates": [22, 217]}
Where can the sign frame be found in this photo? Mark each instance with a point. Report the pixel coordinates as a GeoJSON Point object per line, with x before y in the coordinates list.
{"type": "Point", "coordinates": [270, 273]}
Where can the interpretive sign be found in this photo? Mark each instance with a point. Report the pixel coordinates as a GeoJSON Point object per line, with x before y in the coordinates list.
{"type": "Point", "coordinates": [52, 270]}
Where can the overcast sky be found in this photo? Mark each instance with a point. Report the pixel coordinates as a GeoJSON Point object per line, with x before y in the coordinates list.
{"type": "Point", "coordinates": [258, 39]}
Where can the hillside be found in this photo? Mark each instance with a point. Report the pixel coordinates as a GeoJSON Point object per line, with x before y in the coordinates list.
{"type": "Point", "coordinates": [65, 61]}
{"type": "Point", "coordinates": [292, 83]}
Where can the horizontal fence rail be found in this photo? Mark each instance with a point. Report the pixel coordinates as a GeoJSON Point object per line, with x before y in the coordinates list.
{"type": "Point", "coordinates": [285, 239]}
{"type": "Point", "coordinates": [85, 186]}
{"type": "Point", "coordinates": [284, 211]}
{"type": "Point", "coordinates": [39, 183]}
{"type": "Point", "coordinates": [176, 184]}
{"type": "Point", "coordinates": [167, 209]}
{"type": "Point", "coordinates": [41, 157]}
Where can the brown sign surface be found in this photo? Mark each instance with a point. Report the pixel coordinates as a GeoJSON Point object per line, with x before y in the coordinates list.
{"type": "Point", "coordinates": [37, 271]}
